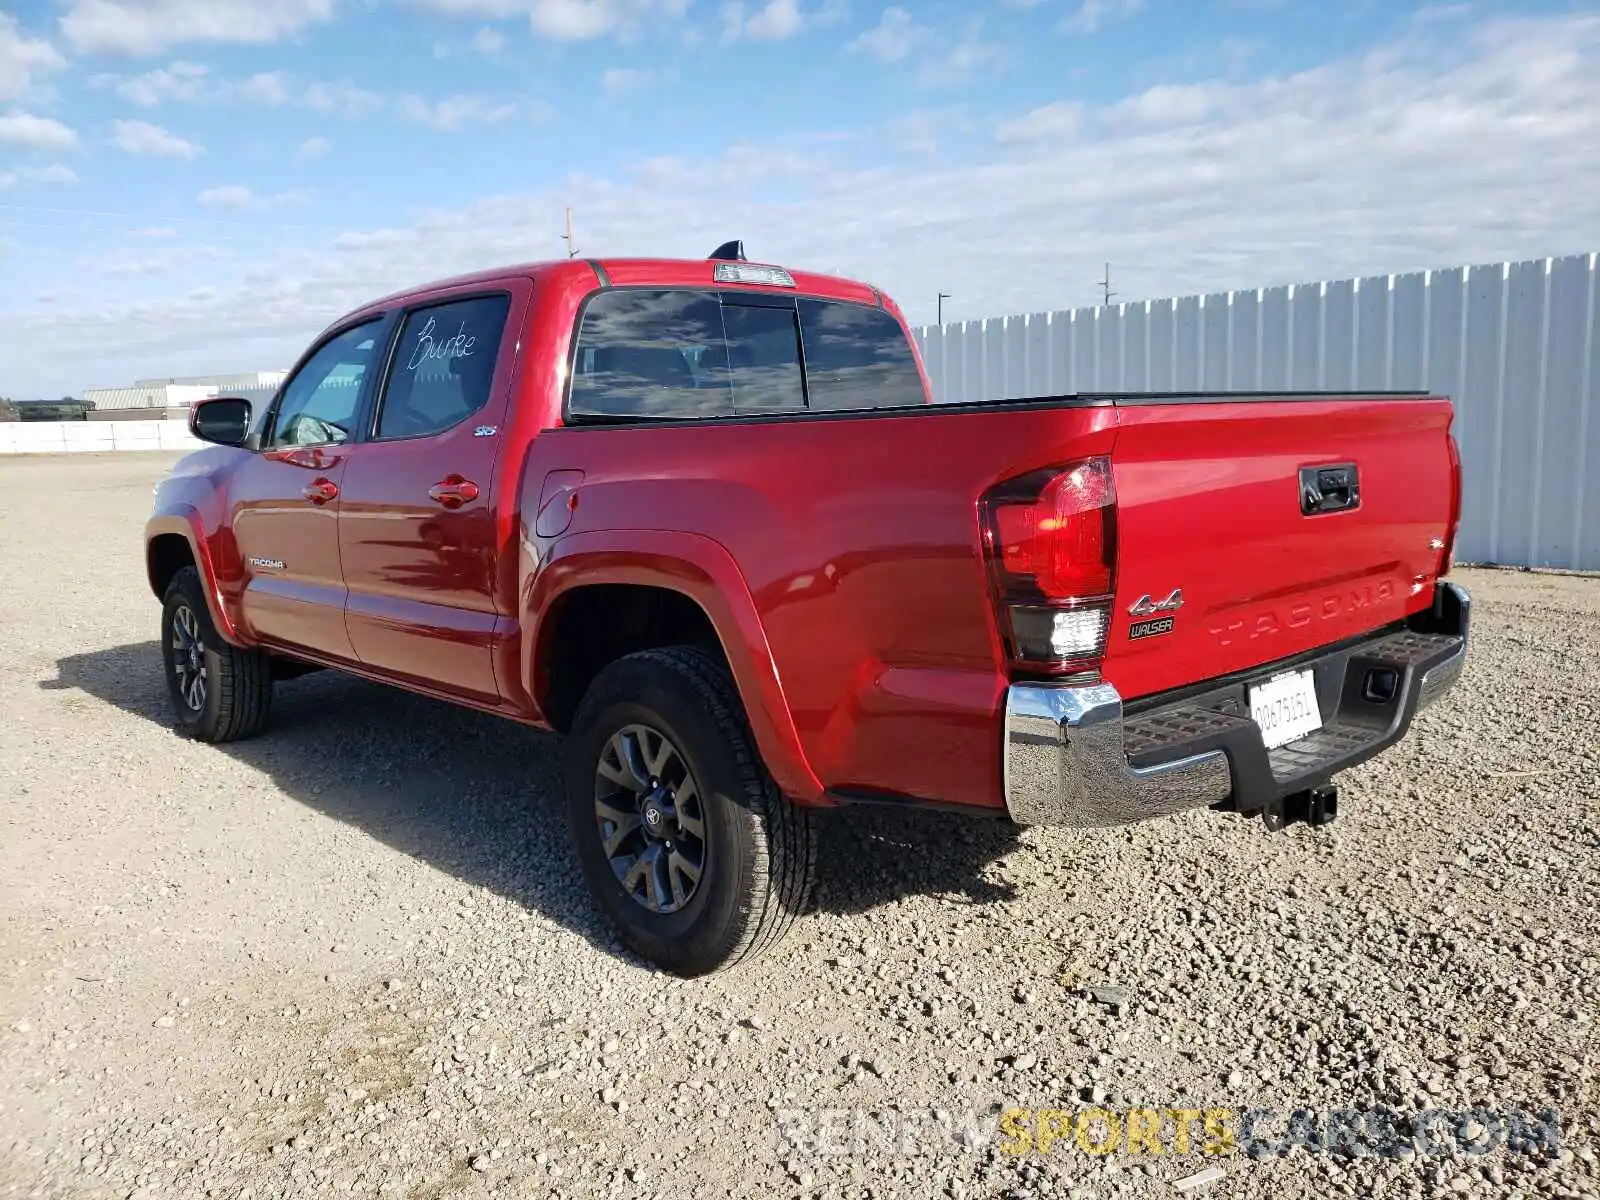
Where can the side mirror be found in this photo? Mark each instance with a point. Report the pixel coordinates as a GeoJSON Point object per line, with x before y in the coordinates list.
{"type": "Point", "coordinates": [223, 420]}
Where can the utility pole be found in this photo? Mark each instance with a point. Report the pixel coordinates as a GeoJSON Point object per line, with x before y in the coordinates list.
{"type": "Point", "coordinates": [572, 250]}
{"type": "Point", "coordinates": [1105, 287]}
{"type": "Point", "coordinates": [943, 296]}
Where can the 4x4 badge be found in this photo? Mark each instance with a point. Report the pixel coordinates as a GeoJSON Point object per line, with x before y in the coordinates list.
{"type": "Point", "coordinates": [1146, 605]}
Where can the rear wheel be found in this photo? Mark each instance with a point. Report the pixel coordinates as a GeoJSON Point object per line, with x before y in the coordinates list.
{"type": "Point", "coordinates": [220, 693]}
{"type": "Point", "coordinates": [681, 835]}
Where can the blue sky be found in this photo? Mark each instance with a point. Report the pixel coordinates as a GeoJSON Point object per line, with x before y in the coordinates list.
{"type": "Point", "coordinates": [194, 185]}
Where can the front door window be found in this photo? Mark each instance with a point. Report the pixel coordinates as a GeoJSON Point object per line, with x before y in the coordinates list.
{"type": "Point", "coordinates": [318, 406]}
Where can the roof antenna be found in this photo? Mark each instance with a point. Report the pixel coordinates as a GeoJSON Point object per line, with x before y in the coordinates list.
{"type": "Point", "coordinates": [729, 252]}
{"type": "Point", "coordinates": [572, 249]}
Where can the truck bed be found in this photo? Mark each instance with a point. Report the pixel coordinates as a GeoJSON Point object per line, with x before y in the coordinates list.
{"type": "Point", "coordinates": [858, 538]}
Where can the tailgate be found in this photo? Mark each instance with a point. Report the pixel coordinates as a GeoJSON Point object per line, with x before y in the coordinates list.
{"type": "Point", "coordinates": [1216, 501]}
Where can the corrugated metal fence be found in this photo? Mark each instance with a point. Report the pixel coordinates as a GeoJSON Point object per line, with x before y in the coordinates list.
{"type": "Point", "coordinates": [1514, 344]}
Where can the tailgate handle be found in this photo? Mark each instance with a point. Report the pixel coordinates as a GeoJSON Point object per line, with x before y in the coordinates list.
{"type": "Point", "coordinates": [1335, 488]}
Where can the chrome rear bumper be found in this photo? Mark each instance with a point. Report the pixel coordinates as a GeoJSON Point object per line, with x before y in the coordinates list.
{"type": "Point", "coordinates": [1065, 763]}
{"type": "Point", "coordinates": [1072, 757]}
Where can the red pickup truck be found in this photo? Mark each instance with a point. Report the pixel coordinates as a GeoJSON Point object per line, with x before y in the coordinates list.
{"type": "Point", "coordinates": [700, 518]}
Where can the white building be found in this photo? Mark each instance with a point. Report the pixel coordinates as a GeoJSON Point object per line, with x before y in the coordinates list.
{"type": "Point", "coordinates": [180, 392]}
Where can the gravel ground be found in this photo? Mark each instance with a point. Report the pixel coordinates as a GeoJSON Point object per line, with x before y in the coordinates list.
{"type": "Point", "coordinates": [354, 956]}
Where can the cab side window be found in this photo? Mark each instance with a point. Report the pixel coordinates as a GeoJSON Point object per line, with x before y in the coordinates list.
{"type": "Point", "coordinates": [444, 366]}
{"type": "Point", "coordinates": [318, 405]}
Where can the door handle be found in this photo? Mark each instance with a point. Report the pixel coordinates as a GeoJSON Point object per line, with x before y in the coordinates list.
{"type": "Point", "coordinates": [321, 491]}
{"type": "Point", "coordinates": [453, 491]}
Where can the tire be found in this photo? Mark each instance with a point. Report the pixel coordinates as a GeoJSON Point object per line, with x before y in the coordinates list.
{"type": "Point", "coordinates": [754, 851]}
{"type": "Point", "coordinates": [234, 697]}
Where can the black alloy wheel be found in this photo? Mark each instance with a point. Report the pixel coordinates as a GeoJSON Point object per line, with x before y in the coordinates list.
{"type": "Point", "coordinates": [652, 825]}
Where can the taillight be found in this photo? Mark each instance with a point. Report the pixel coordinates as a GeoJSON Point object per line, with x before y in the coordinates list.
{"type": "Point", "coordinates": [1051, 541]}
{"type": "Point", "coordinates": [1447, 560]}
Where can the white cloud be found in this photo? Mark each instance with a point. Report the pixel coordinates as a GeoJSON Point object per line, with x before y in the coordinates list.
{"type": "Point", "coordinates": [454, 112]}
{"type": "Point", "coordinates": [894, 37]}
{"type": "Point", "coordinates": [773, 21]}
{"type": "Point", "coordinates": [1171, 104]}
{"type": "Point", "coordinates": [920, 132]}
{"type": "Point", "coordinates": [569, 20]}
{"type": "Point", "coordinates": [488, 41]}
{"type": "Point", "coordinates": [180, 81]}
{"type": "Point", "coordinates": [231, 196]}
{"type": "Point", "coordinates": [315, 147]}
{"type": "Point", "coordinates": [266, 87]}
{"type": "Point", "coordinates": [143, 138]}
{"type": "Point", "coordinates": [28, 132]}
{"type": "Point", "coordinates": [942, 56]}
{"type": "Point", "coordinates": [56, 175]}
{"type": "Point", "coordinates": [165, 260]}
{"type": "Point", "coordinates": [970, 55]}
{"type": "Point", "coordinates": [132, 266]}
{"type": "Point", "coordinates": [193, 83]}
{"type": "Point", "coordinates": [341, 99]}
{"type": "Point", "coordinates": [374, 239]}
{"type": "Point", "coordinates": [1058, 120]}
{"type": "Point", "coordinates": [1466, 141]}
{"type": "Point", "coordinates": [21, 57]}
{"type": "Point", "coordinates": [1092, 15]}
{"type": "Point", "coordinates": [623, 81]}
{"type": "Point", "coordinates": [238, 198]}
{"type": "Point", "coordinates": [137, 27]}
{"type": "Point", "coordinates": [574, 20]}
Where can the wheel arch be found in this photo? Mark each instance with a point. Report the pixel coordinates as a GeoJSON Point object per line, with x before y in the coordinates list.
{"type": "Point", "coordinates": [682, 587]}
{"type": "Point", "coordinates": [592, 625]}
{"type": "Point", "coordinates": [172, 542]}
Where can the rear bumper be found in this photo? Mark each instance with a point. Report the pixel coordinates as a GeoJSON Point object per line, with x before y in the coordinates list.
{"type": "Point", "coordinates": [1074, 755]}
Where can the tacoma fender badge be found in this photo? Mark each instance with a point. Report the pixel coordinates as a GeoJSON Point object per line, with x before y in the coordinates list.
{"type": "Point", "coordinates": [269, 564]}
{"type": "Point", "coordinates": [486, 431]}
{"type": "Point", "coordinates": [1147, 605]}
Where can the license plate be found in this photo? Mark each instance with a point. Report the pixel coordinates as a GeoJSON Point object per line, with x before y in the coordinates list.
{"type": "Point", "coordinates": [1286, 708]}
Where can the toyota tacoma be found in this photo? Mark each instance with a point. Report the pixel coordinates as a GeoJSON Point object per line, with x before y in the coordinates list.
{"type": "Point", "coordinates": [701, 518]}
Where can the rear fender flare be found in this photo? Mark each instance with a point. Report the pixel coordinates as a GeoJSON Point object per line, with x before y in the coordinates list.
{"type": "Point", "coordinates": [703, 570]}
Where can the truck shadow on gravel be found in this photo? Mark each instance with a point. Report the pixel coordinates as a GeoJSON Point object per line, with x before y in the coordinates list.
{"type": "Point", "coordinates": [477, 796]}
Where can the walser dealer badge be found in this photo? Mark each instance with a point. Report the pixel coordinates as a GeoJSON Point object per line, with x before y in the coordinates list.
{"type": "Point", "coordinates": [1149, 606]}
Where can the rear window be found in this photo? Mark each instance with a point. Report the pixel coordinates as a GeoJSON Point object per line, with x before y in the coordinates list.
{"type": "Point", "coordinates": [857, 357]}
{"type": "Point", "coordinates": [651, 354]}
{"type": "Point", "coordinates": [687, 353]}
{"type": "Point", "coordinates": [764, 358]}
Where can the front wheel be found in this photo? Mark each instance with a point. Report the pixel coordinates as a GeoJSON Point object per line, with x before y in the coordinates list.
{"type": "Point", "coordinates": [221, 693]}
{"type": "Point", "coordinates": [682, 837]}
